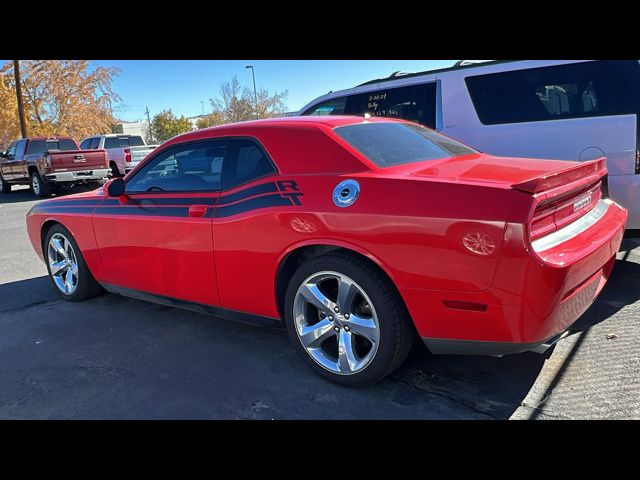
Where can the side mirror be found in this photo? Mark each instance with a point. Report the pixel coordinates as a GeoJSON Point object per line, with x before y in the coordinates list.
{"type": "Point", "coordinates": [115, 188]}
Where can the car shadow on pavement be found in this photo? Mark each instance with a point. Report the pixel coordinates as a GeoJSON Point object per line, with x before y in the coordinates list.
{"type": "Point", "coordinates": [24, 194]}
{"type": "Point", "coordinates": [622, 288]}
{"type": "Point", "coordinates": [114, 357]}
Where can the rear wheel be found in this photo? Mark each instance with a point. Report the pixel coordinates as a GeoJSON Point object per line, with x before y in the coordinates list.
{"type": "Point", "coordinates": [67, 269]}
{"type": "Point", "coordinates": [40, 187]}
{"type": "Point", "coordinates": [346, 320]}
{"type": "Point", "coordinates": [115, 172]}
{"type": "Point", "coordinates": [4, 186]}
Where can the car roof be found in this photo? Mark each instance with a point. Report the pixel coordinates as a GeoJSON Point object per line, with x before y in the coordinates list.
{"type": "Point", "coordinates": [52, 137]}
{"type": "Point", "coordinates": [330, 121]}
{"type": "Point", "coordinates": [457, 66]}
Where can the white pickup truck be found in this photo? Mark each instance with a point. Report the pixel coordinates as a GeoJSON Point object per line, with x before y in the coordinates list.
{"type": "Point", "coordinates": [123, 151]}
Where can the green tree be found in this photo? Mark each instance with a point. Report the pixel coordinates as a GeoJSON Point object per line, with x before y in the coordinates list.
{"type": "Point", "coordinates": [237, 104]}
{"type": "Point", "coordinates": [210, 120]}
{"type": "Point", "coordinates": [166, 125]}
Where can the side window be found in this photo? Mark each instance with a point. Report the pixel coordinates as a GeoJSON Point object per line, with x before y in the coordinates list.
{"type": "Point", "coordinates": [416, 103]}
{"type": "Point", "coordinates": [183, 168]}
{"type": "Point", "coordinates": [11, 151]}
{"type": "Point", "coordinates": [245, 161]}
{"type": "Point", "coordinates": [20, 148]}
{"type": "Point", "coordinates": [335, 106]}
{"type": "Point", "coordinates": [577, 90]}
{"type": "Point", "coordinates": [85, 144]}
{"type": "Point", "coordinates": [94, 143]}
{"type": "Point", "coordinates": [36, 146]}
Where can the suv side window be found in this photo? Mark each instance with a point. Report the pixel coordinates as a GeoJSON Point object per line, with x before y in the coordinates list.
{"type": "Point", "coordinates": [85, 144]}
{"type": "Point", "coordinates": [584, 89]}
{"type": "Point", "coordinates": [335, 106]}
{"type": "Point", "coordinates": [94, 143]}
{"type": "Point", "coordinates": [189, 167]}
{"type": "Point", "coordinates": [244, 162]}
{"type": "Point", "coordinates": [416, 103]}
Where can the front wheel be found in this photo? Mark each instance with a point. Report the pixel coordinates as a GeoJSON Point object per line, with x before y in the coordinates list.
{"type": "Point", "coordinates": [346, 320]}
{"type": "Point", "coordinates": [4, 186]}
{"type": "Point", "coordinates": [39, 187]}
{"type": "Point", "coordinates": [67, 269]}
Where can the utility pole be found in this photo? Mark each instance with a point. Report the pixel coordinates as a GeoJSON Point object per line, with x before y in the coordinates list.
{"type": "Point", "coordinates": [16, 75]}
{"type": "Point", "coordinates": [149, 121]}
{"type": "Point", "coordinates": [202, 103]}
{"type": "Point", "coordinates": [255, 92]}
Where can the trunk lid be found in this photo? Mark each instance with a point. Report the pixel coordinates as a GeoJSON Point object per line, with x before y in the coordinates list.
{"type": "Point", "coordinates": [559, 192]}
{"type": "Point", "coordinates": [505, 172]}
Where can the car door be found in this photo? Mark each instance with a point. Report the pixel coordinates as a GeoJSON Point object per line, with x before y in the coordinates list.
{"type": "Point", "coordinates": [7, 162]}
{"type": "Point", "coordinates": [157, 238]}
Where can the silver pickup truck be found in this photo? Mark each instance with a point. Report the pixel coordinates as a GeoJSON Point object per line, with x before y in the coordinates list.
{"type": "Point", "coordinates": [123, 151]}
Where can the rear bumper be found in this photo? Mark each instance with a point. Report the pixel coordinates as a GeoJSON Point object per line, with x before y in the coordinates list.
{"type": "Point", "coordinates": [440, 346]}
{"type": "Point", "coordinates": [79, 176]}
{"type": "Point", "coordinates": [535, 296]}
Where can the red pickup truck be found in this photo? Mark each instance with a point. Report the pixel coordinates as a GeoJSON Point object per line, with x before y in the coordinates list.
{"type": "Point", "coordinates": [45, 163]}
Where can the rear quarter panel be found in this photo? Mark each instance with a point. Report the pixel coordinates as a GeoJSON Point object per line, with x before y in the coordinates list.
{"type": "Point", "coordinates": [413, 229]}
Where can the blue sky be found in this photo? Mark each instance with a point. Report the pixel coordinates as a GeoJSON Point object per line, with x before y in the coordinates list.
{"type": "Point", "coordinates": [182, 84]}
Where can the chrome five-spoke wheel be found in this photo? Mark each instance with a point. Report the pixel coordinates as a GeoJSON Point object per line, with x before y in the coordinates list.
{"type": "Point", "coordinates": [63, 264]}
{"type": "Point", "coordinates": [336, 322]}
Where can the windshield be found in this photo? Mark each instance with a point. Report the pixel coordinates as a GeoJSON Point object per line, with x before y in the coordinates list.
{"type": "Point", "coordinates": [389, 144]}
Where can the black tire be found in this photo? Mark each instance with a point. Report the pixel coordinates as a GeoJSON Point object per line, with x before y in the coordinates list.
{"type": "Point", "coordinates": [4, 186]}
{"type": "Point", "coordinates": [87, 287]}
{"type": "Point", "coordinates": [40, 188]}
{"type": "Point", "coordinates": [115, 172]}
{"type": "Point", "coordinates": [396, 331]}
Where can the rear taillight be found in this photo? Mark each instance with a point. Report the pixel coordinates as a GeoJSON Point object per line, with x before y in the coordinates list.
{"type": "Point", "coordinates": [127, 155]}
{"type": "Point", "coordinates": [553, 214]}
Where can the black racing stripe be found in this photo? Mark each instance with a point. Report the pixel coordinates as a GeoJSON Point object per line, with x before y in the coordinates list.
{"type": "Point", "coordinates": [142, 211]}
{"type": "Point", "coordinates": [172, 201]}
{"type": "Point", "coordinates": [61, 209]}
{"type": "Point", "coordinates": [247, 193]}
{"type": "Point", "coordinates": [252, 204]}
{"type": "Point", "coordinates": [73, 202]}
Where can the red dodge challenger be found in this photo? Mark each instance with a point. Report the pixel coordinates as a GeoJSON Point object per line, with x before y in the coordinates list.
{"type": "Point", "coordinates": [360, 233]}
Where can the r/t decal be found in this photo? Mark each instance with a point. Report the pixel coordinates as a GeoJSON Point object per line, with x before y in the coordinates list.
{"type": "Point", "coordinates": [289, 189]}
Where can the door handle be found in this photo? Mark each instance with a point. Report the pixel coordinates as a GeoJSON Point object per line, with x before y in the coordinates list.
{"type": "Point", "coordinates": [198, 210]}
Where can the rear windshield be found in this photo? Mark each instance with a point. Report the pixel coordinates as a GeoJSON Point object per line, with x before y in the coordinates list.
{"type": "Point", "coordinates": [124, 141]}
{"type": "Point", "coordinates": [41, 146]}
{"type": "Point", "coordinates": [388, 144]}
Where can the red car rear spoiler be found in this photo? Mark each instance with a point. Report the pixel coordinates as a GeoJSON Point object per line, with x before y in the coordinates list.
{"type": "Point", "coordinates": [585, 172]}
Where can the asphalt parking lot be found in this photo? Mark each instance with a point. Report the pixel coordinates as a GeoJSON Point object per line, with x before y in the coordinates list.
{"type": "Point", "coordinates": [117, 358]}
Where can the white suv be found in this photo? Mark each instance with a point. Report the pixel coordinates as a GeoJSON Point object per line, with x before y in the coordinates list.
{"type": "Point", "coordinates": [556, 109]}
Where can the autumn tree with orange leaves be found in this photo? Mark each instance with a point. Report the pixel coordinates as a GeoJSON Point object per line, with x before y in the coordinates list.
{"type": "Point", "coordinates": [64, 97]}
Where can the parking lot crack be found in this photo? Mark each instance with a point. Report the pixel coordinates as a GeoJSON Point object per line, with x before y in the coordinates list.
{"type": "Point", "coordinates": [451, 398]}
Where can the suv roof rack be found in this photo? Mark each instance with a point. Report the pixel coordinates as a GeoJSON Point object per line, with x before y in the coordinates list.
{"type": "Point", "coordinates": [459, 65]}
